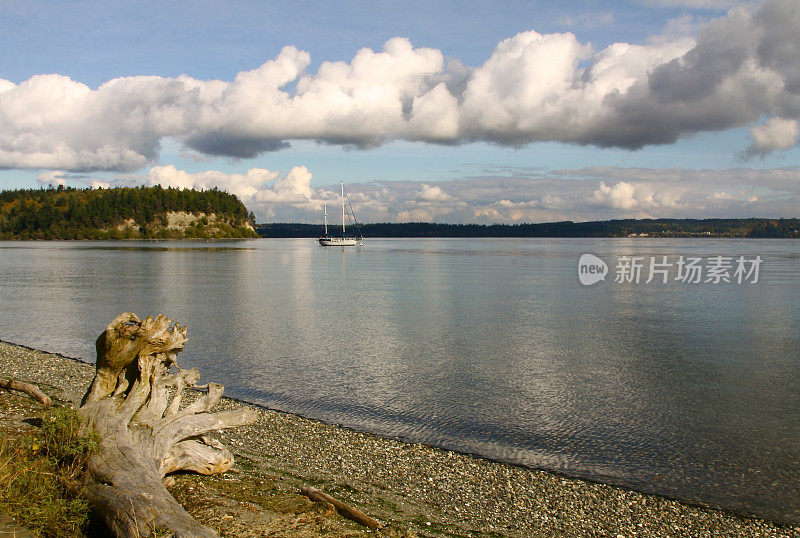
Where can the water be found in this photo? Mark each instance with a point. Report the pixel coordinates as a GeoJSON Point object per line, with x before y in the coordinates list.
{"type": "Point", "coordinates": [485, 346]}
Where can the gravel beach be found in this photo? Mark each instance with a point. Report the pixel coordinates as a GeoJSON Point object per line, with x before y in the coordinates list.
{"type": "Point", "coordinates": [413, 489]}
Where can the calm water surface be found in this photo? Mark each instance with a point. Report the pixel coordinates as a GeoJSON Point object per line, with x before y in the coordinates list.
{"type": "Point", "coordinates": [489, 346]}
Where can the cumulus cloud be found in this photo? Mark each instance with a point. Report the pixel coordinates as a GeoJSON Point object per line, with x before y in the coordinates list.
{"type": "Point", "coordinates": [243, 185]}
{"type": "Point", "coordinates": [620, 196]}
{"type": "Point", "coordinates": [646, 198]}
{"type": "Point", "coordinates": [261, 190]}
{"type": "Point", "coordinates": [532, 87]}
{"type": "Point", "coordinates": [428, 193]}
{"type": "Point", "coordinates": [515, 196]}
{"type": "Point", "coordinates": [590, 194]}
{"type": "Point", "coordinates": [775, 134]}
{"type": "Point", "coordinates": [52, 178]}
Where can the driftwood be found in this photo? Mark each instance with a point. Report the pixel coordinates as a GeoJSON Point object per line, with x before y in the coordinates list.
{"type": "Point", "coordinates": [31, 390]}
{"type": "Point", "coordinates": [134, 403]}
{"type": "Point", "coordinates": [349, 512]}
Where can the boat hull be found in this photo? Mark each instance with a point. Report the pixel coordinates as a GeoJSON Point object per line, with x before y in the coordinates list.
{"type": "Point", "coordinates": [338, 242]}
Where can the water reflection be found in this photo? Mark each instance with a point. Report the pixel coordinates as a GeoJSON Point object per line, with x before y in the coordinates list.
{"type": "Point", "coordinates": [167, 248]}
{"type": "Point", "coordinates": [487, 346]}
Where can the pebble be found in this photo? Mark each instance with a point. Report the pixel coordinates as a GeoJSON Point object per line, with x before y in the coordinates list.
{"type": "Point", "coordinates": [415, 486]}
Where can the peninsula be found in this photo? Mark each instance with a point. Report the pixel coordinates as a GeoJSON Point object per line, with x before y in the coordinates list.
{"type": "Point", "coordinates": [123, 213]}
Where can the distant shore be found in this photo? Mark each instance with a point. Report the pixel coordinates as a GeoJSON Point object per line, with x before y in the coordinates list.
{"type": "Point", "coordinates": [414, 489]}
{"type": "Point", "coordinates": [679, 228]}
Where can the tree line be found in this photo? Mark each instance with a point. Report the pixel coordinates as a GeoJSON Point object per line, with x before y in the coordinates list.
{"type": "Point", "coordinates": [120, 213]}
{"type": "Point", "coordinates": [142, 212]}
{"type": "Point", "coordinates": [608, 228]}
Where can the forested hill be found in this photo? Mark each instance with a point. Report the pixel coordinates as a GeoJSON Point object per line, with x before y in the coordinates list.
{"type": "Point", "coordinates": [122, 213]}
{"type": "Point", "coordinates": [606, 228]}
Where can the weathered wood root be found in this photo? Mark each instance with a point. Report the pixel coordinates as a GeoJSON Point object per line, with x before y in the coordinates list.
{"type": "Point", "coordinates": [31, 390]}
{"type": "Point", "coordinates": [349, 512]}
{"type": "Point", "coordinates": [135, 404]}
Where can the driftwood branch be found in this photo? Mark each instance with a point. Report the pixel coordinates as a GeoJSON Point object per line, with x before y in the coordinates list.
{"type": "Point", "coordinates": [349, 512]}
{"type": "Point", "coordinates": [31, 390]}
{"type": "Point", "coordinates": [135, 404]}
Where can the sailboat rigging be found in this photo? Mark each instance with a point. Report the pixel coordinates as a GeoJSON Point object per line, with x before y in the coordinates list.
{"type": "Point", "coordinates": [328, 240]}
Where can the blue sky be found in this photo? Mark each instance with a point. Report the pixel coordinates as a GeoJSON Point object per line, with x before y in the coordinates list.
{"type": "Point", "coordinates": [94, 41]}
{"type": "Point", "coordinates": [694, 112]}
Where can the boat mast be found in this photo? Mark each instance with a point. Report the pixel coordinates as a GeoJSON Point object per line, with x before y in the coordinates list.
{"type": "Point", "coordinates": [342, 185]}
{"type": "Point", "coordinates": [325, 208]}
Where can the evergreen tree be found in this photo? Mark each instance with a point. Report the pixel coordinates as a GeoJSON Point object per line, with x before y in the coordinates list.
{"type": "Point", "coordinates": [69, 213]}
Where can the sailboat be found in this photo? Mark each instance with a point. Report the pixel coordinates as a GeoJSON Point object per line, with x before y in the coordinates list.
{"type": "Point", "coordinates": [327, 240]}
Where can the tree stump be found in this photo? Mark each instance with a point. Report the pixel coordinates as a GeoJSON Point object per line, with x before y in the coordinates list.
{"type": "Point", "coordinates": [134, 403]}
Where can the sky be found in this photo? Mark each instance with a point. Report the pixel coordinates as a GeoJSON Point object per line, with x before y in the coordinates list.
{"type": "Point", "coordinates": [444, 111]}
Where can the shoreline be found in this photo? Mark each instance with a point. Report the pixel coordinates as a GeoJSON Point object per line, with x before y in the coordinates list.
{"type": "Point", "coordinates": [416, 489]}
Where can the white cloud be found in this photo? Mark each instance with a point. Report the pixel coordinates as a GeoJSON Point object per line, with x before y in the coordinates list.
{"type": "Point", "coordinates": [432, 194]}
{"type": "Point", "coordinates": [620, 196]}
{"type": "Point", "coordinates": [261, 190]}
{"type": "Point", "coordinates": [52, 178]}
{"type": "Point", "coordinates": [650, 199]}
{"type": "Point", "coordinates": [596, 193]}
{"type": "Point", "coordinates": [775, 134]}
{"type": "Point", "coordinates": [533, 87]}
{"type": "Point", "coordinates": [243, 185]}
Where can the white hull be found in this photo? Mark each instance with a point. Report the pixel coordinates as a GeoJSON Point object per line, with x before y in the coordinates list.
{"type": "Point", "coordinates": [338, 242]}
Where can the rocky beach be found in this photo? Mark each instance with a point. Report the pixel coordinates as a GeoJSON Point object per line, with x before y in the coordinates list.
{"type": "Point", "coordinates": [412, 489]}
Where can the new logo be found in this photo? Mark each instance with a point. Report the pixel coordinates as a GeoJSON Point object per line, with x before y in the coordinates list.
{"type": "Point", "coordinates": [591, 269]}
